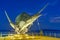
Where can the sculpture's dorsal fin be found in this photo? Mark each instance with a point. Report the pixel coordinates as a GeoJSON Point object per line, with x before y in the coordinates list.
{"type": "Point", "coordinates": [22, 17]}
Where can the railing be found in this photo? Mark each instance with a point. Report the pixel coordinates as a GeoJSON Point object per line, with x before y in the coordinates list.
{"type": "Point", "coordinates": [51, 34]}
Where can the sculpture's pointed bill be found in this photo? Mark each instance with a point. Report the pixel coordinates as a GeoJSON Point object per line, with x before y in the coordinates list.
{"type": "Point", "coordinates": [43, 8]}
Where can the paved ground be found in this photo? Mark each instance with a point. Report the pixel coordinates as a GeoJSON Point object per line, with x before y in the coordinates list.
{"type": "Point", "coordinates": [26, 37]}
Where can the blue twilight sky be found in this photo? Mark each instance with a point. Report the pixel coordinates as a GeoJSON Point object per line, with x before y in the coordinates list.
{"type": "Point", "coordinates": [50, 18]}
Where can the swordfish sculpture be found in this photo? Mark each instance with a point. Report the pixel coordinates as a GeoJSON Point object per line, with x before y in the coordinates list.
{"type": "Point", "coordinates": [24, 21]}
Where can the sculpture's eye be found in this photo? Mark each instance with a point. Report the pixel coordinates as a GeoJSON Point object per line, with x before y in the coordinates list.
{"type": "Point", "coordinates": [21, 23]}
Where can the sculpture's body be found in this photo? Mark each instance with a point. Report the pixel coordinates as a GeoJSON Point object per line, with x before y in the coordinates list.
{"type": "Point", "coordinates": [24, 21]}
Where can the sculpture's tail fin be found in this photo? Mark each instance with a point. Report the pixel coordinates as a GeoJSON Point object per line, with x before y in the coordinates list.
{"type": "Point", "coordinates": [7, 17]}
{"type": "Point", "coordinates": [9, 20]}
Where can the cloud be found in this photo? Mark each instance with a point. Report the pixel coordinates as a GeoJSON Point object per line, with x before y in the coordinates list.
{"type": "Point", "coordinates": [55, 20]}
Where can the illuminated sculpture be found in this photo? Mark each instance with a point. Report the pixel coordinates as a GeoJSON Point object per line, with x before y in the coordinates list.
{"type": "Point", "coordinates": [24, 21]}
